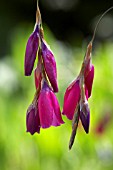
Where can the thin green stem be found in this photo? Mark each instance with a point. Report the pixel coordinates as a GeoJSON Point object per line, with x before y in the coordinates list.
{"type": "Point", "coordinates": [99, 22]}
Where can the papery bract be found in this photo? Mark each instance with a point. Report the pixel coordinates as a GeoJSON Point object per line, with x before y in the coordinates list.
{"type": "Point", "coordinates": [50, 65]}
{"type": "Point", "coordinates": [48, 108]}
{"type": "Point", "coordinates": [31, 51]}
{"type": "Point", "coordinates": [71, 98]}
{"type": "Point", "coordinates": [32, 120]}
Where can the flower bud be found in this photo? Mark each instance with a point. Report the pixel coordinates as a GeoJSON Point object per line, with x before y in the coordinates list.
{"type": "Point", "coordinates": [31, 51]}
{"type": "Point", "coordinates": [32, 120]}
{"type": "Point", "coordinates": [85, 115]}
{"type": "Point", "coordinates": [50, 65]}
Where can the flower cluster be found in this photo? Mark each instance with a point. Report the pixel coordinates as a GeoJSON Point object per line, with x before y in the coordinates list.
{"type": "Point", "coordinates": [44, 110]}
{"type": "Point", "coordinates": [76, 96]}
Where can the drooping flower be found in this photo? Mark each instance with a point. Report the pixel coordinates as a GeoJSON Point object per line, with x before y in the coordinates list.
{"type": "Point", "coordinates": [31, 51]}
{"type": "Point", "coordinates": [44, 111]}
{"type": "Point", "coordinates": [71, 99]}
{"type": "Point", "coordinates": [73, 92]}
{"type": "Point", "coordinates": [75, 105]}
{"type": "Point", "coordinates": [32, 119]}
{"type": "Point", "coordinates": [50, 65]}
{"type": "Point", "coordinates": [49, 110]}
{"type": "Point", "coordinates": [85, 115]}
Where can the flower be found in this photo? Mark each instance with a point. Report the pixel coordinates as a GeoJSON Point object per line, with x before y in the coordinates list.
{"type": "Point", "coordinates": [31, 51]}
{"type": "Point", "coordinates": [49, 110]}
{"type": "Point", "coordinates": [75, 105]}
{"type": "Point", "coordinates": [44, 111]}
{"type": "Point", "coordinates": [71, 99]}
{"type": "Point", "coordinates": [50, 65]}
{"type": "Point", "coordinates": [32, 120]}
{"type": "Point", "coordinates": [73, 95]}
{"type": "Point", "coordinates": [73, 92]}
{"type": "Point", "coordinates": [85, 115]}
{"type": "Point", "coordinates": [82, 84]}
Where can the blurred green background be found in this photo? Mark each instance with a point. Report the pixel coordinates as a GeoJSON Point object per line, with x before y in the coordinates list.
{"type": "Point", "coordinates": [49, 149]}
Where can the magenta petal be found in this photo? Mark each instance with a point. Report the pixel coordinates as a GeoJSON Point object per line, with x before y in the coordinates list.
{"type": "Point", "coordinates": [31, 51]}
{"type": "Point", "coordinates": [89, 80]}
{"type": "Point", "coordinates": [55, 121]}
{"type": "Point", "coordinates": [86, 92]}
{"type": "Point", "coordinates": [50, 65]}
{"type": "Point", "coordinates": [88, 66]}
{"type": "Point", "coordinates": [45, 108]}
{"type": "Point", "coordinates": [32, 120]}
{"type": "Point", "coordinates": [71, 98]}
{"type": "Point", "coordinates": [56, 108]}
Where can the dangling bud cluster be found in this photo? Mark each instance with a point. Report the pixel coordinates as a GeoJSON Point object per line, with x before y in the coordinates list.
{"type": "Point", "coordinates": [44, 110]}
{"type": "Point", "coordinates": [37, 44]}
{"type": "Point", "coordinates": [77, 94]}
